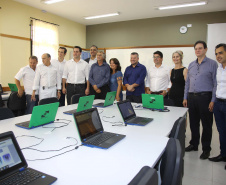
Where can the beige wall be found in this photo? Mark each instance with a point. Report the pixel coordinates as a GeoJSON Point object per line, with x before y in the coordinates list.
{"type": "Point", "coordinates": [152, 32]}
{"type": "Point", "coordinates": [15, 20]}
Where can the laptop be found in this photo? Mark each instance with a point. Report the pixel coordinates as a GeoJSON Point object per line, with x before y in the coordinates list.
{"type": "Point", "coordinates": [129, 116]}
{"type": "Point", "coordinates": [13, 164]}
{"type": "Point", "coordinates": [109, 100]}
{"type": "Point", "coordinates": [91, 130]}
{"type": "Point", "coordinates": [153, 101]}
{"type": "Point", "coordinates": [41, 115]}
{"type": "Point", "coordinates": [85, 102]}
{"type": "Point", "coordinates": [13, 87]}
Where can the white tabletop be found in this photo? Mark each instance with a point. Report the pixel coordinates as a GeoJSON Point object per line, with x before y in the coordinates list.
{"type": "Point", "coordinates": [6, 94]}
{"type": "Point", "coordinates": [116, 165]}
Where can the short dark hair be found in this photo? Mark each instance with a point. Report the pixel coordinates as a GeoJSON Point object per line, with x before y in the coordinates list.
{"type": "Point", "coordinates": [116, 62]}
{"type": "Point", "coordinates": [80, 49]}
{"type": "Point", "coordinates": [201, 42]}
{"type": "Point", "coordinates": [221, 45]}
{"type": "Point", "coordinates": [94, 46]}
{"type": "Point", "coordinates": [65, 50]}
{"type": "Point", "coordinates": [48, 55]}
{"type": "Point", "coordinates": [158, 53]}
{"type": "Point", "coordinates": [33, 57]}
{"type": "Point", "coordinates": [135, 53]}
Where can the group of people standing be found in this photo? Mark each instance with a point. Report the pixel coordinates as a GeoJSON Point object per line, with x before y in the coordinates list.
{"type": "Point", "coordinates": [201, 87]}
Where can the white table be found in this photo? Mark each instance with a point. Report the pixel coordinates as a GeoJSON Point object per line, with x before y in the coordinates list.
{"type": "Point", "coordinates": [5, 96]}
{"type": "Point", "coordinates": [117, 165]}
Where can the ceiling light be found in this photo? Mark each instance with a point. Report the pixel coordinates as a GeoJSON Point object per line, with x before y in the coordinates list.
{"type": "Point", "coordinates": [182, 5]}
{"type": "Point", "coordinates": [51, 1]}
{"type": "Point", "coordinates": [101, 16]}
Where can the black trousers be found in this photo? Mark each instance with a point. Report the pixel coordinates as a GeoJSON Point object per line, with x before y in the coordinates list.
{"type": "Point", "coordinates": [133, 98]}
{"type": "Point", "coordinates": [62, 99]}
{"type": "Point", "coordinates": [104, 90]}
{"type": "Point", "coordinates": [74, 89]}
{"type": "Point", "coordinates": [198, 109]}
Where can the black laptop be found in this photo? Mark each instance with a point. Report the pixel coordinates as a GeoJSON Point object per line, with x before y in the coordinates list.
{"type": "Point", "coordinates": [13, 166]}
{"type": "Point", "coordinates": [91, 130]}
{"type": "Point", "coordinates": [129, 116]}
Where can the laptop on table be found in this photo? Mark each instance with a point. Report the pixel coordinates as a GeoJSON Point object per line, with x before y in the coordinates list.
{"type": "Point", "coordinates": [13, 87]}
{"type": "Point", "coordinates": [13, 166]}
{"type": "Point", "coordinates": [91, 130]}
{"type": "Point", "coordinates": [109, 100]}
{"type": "Point", "coordinates": [85, 102]}
{"type": "Point", "coordinates": [41, 115]}
{"type": "Point", "coordinates": [153, 101]}
{"type": "Point", "coordinates": [129, 116]}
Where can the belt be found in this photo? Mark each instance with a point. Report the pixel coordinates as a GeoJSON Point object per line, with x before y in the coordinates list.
{"type": "Point", "coordinates": [46, 87]}
{"type": "Point", "coordinates": [157, 92]}
{"type": "Point", "coordinates": [222, 100]}
{"type": "Point", "coordinates": [75, 84]}
{"type": "Point", "coordinates": [200, 93]}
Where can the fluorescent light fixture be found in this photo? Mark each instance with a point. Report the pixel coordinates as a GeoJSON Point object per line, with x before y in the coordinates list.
{"type": "Point", "coordinates": [182, 5]}
{"type": "Point", "coordinates": [51, 1]}
{"type": "Point", "coordinates": [101, 16]}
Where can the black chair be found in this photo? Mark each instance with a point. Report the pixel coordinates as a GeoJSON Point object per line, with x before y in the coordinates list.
{"type": "Point", "coordinates": [17, 104]}
{"type": "Point", "coordinates": [48, 101]}
{"type": "Point", "coordinates": [75, 98]}
{"type": "Point", "coordinates": [146, 176]}
{"type": "Point", "coordinates": [6, 113]}
{"type": "Point", "coordinates": [171, 164]}
{"type": "Point", "coordinates": [169, 102]}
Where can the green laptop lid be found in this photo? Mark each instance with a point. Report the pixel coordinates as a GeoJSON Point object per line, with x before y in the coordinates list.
{"type": "Point", "coordinates": [85, 102]}
{"type": "Point", "coordinates": [110, 98]}
{"type": "Point", "coordinates": [152, 101]}
{"type": "Point", "coordinates": [43, 114]}
{"type": "Point", "coordinates": [13, 87]}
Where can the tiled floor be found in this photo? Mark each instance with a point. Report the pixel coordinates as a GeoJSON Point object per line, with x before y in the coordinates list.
{"type": "Point", "coordinates": [203, 172]}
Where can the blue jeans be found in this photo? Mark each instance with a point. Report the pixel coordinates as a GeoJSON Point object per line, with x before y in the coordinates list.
{"type": "Point", "coordinates": [219, 111]}
{"type": "Point", "coordinates": [31, 104]}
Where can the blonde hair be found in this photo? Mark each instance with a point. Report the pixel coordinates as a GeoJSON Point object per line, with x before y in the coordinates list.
{"type": "Point", "coordinates": [180, 53]}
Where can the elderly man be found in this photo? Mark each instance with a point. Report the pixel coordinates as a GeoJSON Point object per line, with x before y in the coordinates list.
{"type": "Point", "coordinates": [47, 80]}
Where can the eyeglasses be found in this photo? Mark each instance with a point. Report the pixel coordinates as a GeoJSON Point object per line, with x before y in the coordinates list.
{"type": "Point", "coordinates": [156, 57]}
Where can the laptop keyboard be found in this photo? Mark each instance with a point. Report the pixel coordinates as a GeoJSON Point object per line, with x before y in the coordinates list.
{"type": "Point", "coordinates": [24, 177]}
{"type": "Point", "coordinates": [101, 138]}
{"type": "Point", "coordinates": [140, 120]}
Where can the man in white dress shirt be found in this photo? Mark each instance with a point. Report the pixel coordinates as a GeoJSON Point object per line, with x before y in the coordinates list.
{"type": "Point", "coordinates": [60, 62]}
{"type": "Point", "coordinates": [219, 109]}
{"type": "Point", "coordinates": [47, 80]}
{"type": "Point", "coordinates": [27, 74]}
{"type": "Point", "coordinates": [76, 73]}
{"type": "Point", "coordinates": [93, 58]}
{"type": "Point", "coordinates": [158, 77]}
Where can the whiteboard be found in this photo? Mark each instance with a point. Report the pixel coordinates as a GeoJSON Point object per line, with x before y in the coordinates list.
{"type": "Point", "coordinates": [146, 56]}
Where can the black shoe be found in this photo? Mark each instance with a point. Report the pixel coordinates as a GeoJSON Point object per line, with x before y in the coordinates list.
{"type": "Point", "coordinates": [218, 158]}
{"type": "Point", "coordinates": [205, 155]}
{"type": "Point", "coordinates": [191, 148]}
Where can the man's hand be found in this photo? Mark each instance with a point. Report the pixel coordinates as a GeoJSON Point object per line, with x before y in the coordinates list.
{"type": "Point", "coordinates": [130, 88]}
{"type": "Point", "coordinates": [164, 93]}
{"type": "Point", "coordinates": [95, 87]}
{"type": "Point", "coordinates": [87, 91]}
{"type": "Point", "coordinates": [58, 95]}
{"type": "Point", "coordinates": [211, 105]}
{"type": "Point", "coordinates": [64, 91]}
{"type": "Point", "coordinates": [33, 96]}
{"type": "Point", "coordinates": [185, 103]}
{"type": "Point", "coordinates": [20, 92]}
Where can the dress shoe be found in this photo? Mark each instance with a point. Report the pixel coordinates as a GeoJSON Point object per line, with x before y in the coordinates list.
{"type": "Point", "coordinates": [191, 148]}
{"type": "Point", "coordinates": [205, 155]}
{"type": "Point", "coordinates": [218, 158]}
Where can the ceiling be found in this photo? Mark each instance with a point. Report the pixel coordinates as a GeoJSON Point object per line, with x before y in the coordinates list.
{"type": "Point", "coordinates": [76, 10]}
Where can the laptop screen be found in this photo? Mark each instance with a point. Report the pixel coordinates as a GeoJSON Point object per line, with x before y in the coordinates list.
{"type": "Point", "coordinates": [126, 109]}
{"type": "Point", "coordinates": [11, 157]}
{"type": "Point", "coordinates": [88, 123]}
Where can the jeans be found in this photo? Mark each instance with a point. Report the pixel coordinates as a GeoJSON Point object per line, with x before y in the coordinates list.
{"type": "Point", "coordinates": [31, 104]}
{"type": "Point", "coordinates": [219, 111]}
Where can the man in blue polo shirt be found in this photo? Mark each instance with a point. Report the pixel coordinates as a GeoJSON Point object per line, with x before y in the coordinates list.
{"type": "Point", "coordinates": [134, 79]}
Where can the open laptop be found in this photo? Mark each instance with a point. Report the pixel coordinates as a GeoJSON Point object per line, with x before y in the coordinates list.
{"type": "Point", "coordinates": [13, 87]}
{"type": "Point", "coordinates": [129, 116]}
{"type": "Point", "coordinates": [153, 101]}
{"type": "Point", "coordinates": [85, 102]}
{"type": "Point", "coordinates": [41, 115]}
{"type": "Point", "coordinates": [109, 100]}
{"type": "Point", "coordinates": [91, 130]}
{"type": "Point", "coordinates": [13, 166]}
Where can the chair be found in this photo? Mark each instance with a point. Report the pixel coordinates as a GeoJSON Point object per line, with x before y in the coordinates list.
{"type": "Point", "coordinates": [17, 104]}
{"type": "Point", "coordinates": [146, 176]}
{"type": "Point", "coordinates": [171, 164]}
{"type": "Point", "coordinates": [6, 113]}
{"type": "Point", "coordinates": [75, 98]}
{"type": "Point", "coordinates": [48, 101]}
{"type": "Point", "coordinates": [169, 102]}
